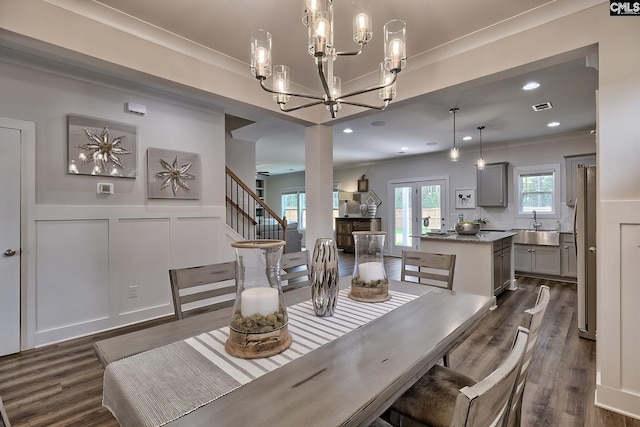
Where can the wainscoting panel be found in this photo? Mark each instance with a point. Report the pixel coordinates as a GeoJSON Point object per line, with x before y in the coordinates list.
{"type": "Point", "coordinates": [140, 268]}
{"type": "Point", "coordinates": [72, 276]}
{"type": "Point", "coordinates": [195, 241]}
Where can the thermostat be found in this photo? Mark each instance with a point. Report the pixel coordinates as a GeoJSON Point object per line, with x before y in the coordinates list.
{"type": "Point", "coordinates": [105, 188]}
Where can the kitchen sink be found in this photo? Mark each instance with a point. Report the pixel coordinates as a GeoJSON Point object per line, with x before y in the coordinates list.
{"type": "Point", "coordinates": [537, 237]}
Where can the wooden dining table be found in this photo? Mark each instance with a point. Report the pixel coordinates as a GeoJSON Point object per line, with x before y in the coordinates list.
{"type": "Point", "coordinates": [348, 381]}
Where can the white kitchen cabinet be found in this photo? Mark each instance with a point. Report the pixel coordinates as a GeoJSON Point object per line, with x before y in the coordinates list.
{"type": "Point", "coordinates": [492, 185]}
{"type": "Point", "coordinates": [571, 167]}
{"type": "Point", "coordinates": [568, 262]}
{"type": "Point", "coordinates": [544, 260]}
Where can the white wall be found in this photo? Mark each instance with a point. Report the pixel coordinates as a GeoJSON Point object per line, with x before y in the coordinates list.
{"type": "Point", "coordinates": [89, 248]}
{"type": "Point", "coordinates": [240, 157]}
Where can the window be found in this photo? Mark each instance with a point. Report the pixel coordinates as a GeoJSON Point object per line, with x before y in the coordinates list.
{"type": "Point", "coordinates": [294, 206]}
{"type": "Point", "coordinates": [538, 189]}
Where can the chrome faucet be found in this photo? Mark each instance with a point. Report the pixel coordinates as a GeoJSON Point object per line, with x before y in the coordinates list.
{"type": "Point", "coordinates": [536, 224]}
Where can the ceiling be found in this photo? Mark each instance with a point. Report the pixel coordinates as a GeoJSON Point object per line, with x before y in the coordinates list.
{"type": "Point", "coordinates": [416, 126]}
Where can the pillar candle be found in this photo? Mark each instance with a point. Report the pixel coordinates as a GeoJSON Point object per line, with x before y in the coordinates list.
{"type": "Point", "coordinates": [371, 271]}
{"type": "Point", "coordinates": [262, 301]}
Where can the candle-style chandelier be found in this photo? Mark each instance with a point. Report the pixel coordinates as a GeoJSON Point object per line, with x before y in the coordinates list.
{"type": "Point", "coordinates": [318, 18]}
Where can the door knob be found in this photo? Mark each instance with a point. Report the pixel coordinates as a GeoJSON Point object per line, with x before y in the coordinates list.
{"type": "Point", "coordinates": [9, 252]}
{"type": "Point", "coordinates": [593, 249]}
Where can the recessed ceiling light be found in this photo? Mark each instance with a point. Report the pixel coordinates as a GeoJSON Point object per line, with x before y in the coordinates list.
{"type": "Point", "coordinates": [378, 123]}
{"type": "Point", "coordinates": [404, 149]}
{"type": "Point", "coordinates": [348, 130]}
{"type": "Point", "coordinates": [531, 86]}
{"type": "Point", "coordinates": [467, 138]}
{"type": "Point", "coordinates": [430, 143]}
{"type": "Point", "coordinates": [553, 124]}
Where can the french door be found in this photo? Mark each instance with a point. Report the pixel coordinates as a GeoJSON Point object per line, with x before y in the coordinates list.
{"type": "Point", "coordinates": [417, 207]}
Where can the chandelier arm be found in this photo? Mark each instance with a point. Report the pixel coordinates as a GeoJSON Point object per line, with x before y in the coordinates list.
{"type": "Point", "coordinates": [373, 107]}
{"type": "Point", "coordinates": [310, 104]}
{"type": "Point", "coordinates": [301, 95]}
{"type": "Point", "coordinates": [372, 88]}
{"type": "Point", "coordinates": [323, 79]}
{"type": "Point", "coordinates": [352, 53]}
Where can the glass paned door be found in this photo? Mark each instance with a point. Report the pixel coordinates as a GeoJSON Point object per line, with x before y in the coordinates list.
{"type": "Point", "coordinates": [417, 208]}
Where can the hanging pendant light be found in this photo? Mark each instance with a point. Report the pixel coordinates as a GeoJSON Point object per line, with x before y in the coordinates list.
{"type": "Point", "coordinates": [481, 159]}
{"type": "Point", "coordinates": [454, 151]}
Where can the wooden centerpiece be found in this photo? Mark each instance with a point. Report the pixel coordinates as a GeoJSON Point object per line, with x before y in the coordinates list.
{"type": "Point", "coordinates": [259, 323]}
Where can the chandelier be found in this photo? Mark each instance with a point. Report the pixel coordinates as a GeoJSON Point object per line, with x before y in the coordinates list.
{"type": "Point", "coordinates": [454, 153]}
{"type": "Point", "coordinates": [318, 18]}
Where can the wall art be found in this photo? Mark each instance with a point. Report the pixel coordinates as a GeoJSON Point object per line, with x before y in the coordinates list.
{"type": "Point", "coordinates": [173, 174]}
{"type": "Point", "coordinates": [465, 198]}
{"type": "Point", "coordinates": [101, 147]}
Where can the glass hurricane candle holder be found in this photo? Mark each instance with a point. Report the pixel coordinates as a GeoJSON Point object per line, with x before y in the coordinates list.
{"type": "Point", "coordinates": [259, 321]}
{"type": "Point", "coordinates": [369, 282]}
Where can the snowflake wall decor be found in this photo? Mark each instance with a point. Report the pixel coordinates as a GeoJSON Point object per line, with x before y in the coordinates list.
{"type": "Point", "coordinates": [101, 147]}
{"type": "Point", "coordinates": [177, 178]}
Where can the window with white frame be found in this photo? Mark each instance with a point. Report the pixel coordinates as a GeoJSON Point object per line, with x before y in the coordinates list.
{"type": "Point", "coordinates": [538, 189]}
{"type": "Point", "coordinates": [294, 205]}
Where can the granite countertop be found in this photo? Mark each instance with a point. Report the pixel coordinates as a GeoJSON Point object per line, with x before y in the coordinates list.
{"type": "Point", "coordinates": [483, 236]}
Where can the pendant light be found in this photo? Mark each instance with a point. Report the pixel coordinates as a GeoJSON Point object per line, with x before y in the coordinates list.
{"type": "Point", "coordinates": [481, 159]}
{"type": "Point", "coordinates": [454, 151]}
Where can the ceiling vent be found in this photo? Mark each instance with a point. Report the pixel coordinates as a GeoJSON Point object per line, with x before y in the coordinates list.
{"type": "Point", "coordinates": [542, 107]}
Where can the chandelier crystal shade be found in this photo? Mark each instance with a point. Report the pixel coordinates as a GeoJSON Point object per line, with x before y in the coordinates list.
{"type": "Point", "coordinates": [481, 163]}
{"type": "Point", "coordinates": [454, 154]}
{"type": "Point", "coordinates": [318, 18]}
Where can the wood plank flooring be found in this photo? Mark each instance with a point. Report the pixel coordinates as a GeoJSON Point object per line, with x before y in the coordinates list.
{"type": "Point", "coordinates": [61, 384]}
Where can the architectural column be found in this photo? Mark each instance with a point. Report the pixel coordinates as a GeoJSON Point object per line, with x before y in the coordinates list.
{"type": "Point", "coordinates": [318, 183]}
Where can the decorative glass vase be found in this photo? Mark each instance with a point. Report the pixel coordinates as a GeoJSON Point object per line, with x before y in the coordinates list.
{"type": "Point", "coordinates": [259, 320]}
{"type": "Point", "coordinates": [369, 282]}
{"type": "Point", "coordinates": [324, 277]}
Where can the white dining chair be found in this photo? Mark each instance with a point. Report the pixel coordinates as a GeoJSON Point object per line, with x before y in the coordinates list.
{"type": "Point", "coordinates": [204, 288]}
{"type": "Point", "coordinates": [532, 320]}
{"type": "Point", "coordinates": [444, 397]}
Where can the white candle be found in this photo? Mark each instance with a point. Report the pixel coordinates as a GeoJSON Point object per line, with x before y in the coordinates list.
{"type": "Point", "coordinates": [371, 271]}
{"type": "Point", "coordinates": [262, 301]}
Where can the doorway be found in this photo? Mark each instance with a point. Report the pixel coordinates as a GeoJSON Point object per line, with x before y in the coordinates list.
{"type": "Point", "coordinates": [10, 253]}
{"type": "Point", "coordinates": [417, 207]}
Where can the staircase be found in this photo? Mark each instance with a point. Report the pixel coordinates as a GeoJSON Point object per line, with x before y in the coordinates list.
{"type": "Point", "coordinates": [249, 215]}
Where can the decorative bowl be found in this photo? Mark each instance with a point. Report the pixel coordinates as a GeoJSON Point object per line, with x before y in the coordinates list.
{"type": "Point", "coordinates": [467, 227]}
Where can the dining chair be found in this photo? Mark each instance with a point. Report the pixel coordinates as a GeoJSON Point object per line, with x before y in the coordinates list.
{"type": "Point", "coordinates": [430, 269]}
{"type": "Point", "coordinates": [444, 397]}
{"type": "Point", "coordinates": [4, 419]}
{"type": "Point", "coordinates": [296, 268]}
{"type": "Point", "coordinates": [531, 321]}
{"type": "Point", "coordinates": [204, 288]}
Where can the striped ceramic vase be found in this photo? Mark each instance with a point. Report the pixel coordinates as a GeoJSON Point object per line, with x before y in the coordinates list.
{"type": "Point", "coordinates": [324, 277]}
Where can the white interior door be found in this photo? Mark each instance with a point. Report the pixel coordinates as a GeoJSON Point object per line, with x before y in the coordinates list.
{"type": "Point", "coordinates": [412, 203]}
{"type": "Point", "coordinates": [9, 241]}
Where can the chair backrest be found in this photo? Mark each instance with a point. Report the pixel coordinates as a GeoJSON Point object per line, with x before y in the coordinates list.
{"type": "Point", "coordinates": [531, 321]}
{"type": "Point", "coordinates": [193, 285]}
{"type": "Point", "coordinates": [297, 270]}
{"type": "Point", "coordinates": [4, 419]}
{"type": "Point", "coordinates": [487, 402]}
{"type": "Point", "coordinates": [428, 268]}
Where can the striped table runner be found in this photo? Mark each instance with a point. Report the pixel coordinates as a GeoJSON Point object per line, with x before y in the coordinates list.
{"type": "Point", "coordinates": [163, 384]}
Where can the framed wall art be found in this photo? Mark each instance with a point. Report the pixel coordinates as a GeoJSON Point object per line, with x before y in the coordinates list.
{"type": "Point", "coordinates": [363, 185]}
{"type": "Point", "coordinates": [465, 198]}
{"type": "Point", "coordinates": [173, 174]}
{"type": "Point", "coordinates": [101, 147]}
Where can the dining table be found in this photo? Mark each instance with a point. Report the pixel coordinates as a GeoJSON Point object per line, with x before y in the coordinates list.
{"type": "Point", "coordinates": [342, 370]}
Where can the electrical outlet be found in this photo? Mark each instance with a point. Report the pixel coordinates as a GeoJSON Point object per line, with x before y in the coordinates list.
{"type": "Point", "coordinates": [133, 291]}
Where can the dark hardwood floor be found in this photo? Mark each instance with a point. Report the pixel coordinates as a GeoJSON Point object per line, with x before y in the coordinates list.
{"type": "Point", "coordinates": [61, 384]}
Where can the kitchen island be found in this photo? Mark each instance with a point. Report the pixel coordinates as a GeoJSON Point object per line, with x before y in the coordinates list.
{"type": "Point", "coordinates": [484, 262]}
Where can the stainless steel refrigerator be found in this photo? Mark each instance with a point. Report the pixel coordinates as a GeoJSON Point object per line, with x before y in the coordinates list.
{"type": "Point", "coordinates": [585, 239]}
